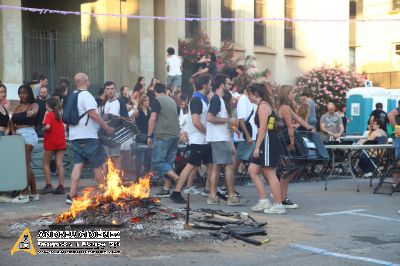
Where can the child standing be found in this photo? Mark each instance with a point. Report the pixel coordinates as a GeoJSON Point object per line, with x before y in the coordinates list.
{"type": "Point", "coordinates": [54, 144]}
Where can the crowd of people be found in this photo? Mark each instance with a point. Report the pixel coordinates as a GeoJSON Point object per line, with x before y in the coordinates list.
{"type": "Point", "coordinates": [227, 121]}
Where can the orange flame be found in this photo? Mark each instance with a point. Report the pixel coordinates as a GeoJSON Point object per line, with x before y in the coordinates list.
{"type": "Point", "coordinates": [115, 191]}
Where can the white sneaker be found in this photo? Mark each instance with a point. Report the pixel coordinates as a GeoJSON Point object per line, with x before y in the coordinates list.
{"type": "Point", "coordinates": [261, 205]}
{"type": "Point", "coordinates": [5, 199]}
{"type": "Point", "coordinates": [192, 191]}
{"type": "Point", "coordinates": [205, 192]}
{"type": "Point", "coordinates": [20, 199]}
{"type": "Point", "coordinates": [34, 197]}
{"type": "Point", "coordinates": [368, 174]}
{"type": "Point", "coordinates": [276, 209]}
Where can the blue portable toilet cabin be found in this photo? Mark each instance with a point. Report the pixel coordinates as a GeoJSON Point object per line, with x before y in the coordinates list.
{"type": "Point", "coordinates": [394, 97]}
{"type": "Point", "coordinates": [360, 102]}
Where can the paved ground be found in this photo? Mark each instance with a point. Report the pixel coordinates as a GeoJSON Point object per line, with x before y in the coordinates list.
{"type": "Point", "coordinates": [334, 227]}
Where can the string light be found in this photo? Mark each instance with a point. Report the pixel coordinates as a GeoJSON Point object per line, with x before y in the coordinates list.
{"type": "Point", "coordinates": [44, 11]}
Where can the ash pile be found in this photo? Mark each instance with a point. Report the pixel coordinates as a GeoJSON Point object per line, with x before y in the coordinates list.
{"type": "Point", "coordinates": [146, 218]}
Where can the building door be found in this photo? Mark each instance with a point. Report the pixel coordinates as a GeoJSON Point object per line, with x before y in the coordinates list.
{"type": "Point", "coordinates": [57, 55]}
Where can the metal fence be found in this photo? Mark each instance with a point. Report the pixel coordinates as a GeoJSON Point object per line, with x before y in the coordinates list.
{"type": "Point", "coordinates": [37, 162]}
{"type": "Point", "coordinates": [58, 54]}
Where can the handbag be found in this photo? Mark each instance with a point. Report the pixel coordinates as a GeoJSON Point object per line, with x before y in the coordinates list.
{"type": "Point", "coordinates": [248, 125]}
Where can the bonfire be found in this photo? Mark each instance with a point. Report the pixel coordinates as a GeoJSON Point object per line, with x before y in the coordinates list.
{"type": "Point", "coordinates": [114, 194]}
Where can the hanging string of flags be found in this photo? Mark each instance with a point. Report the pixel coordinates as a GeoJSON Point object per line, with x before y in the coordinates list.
{"type": "Point", "coordinates": [44, 11]}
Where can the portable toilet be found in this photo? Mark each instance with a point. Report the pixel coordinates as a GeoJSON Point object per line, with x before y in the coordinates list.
{"type": "Point", "coordinates": [394, 97]}
{"type": "Point", "coordinates": [360, 102]}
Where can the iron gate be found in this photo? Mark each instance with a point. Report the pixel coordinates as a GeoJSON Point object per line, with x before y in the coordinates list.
{"type": "Point", "coordinates": [58, 54]}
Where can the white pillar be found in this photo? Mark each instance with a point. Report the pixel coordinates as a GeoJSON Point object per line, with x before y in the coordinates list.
{"type": "Point", "coordinates": [244, 30]}
{"type": "Point", "coordinates": [11, 49]}
{"type": "Point", "coordinates": [146, 35]}
{"type": "Point", "coordinates": [167, 33]}
{"type": "Point", "coordinates": [212, 9]}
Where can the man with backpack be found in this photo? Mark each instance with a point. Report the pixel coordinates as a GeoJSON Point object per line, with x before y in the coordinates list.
{"type": "Point", "coordinates": [114, 106]}
{"type": "Point", "coordinates": [81, 114]}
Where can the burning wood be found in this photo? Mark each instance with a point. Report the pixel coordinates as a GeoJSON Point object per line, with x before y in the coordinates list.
{"type": "Point", "coordinates": [115, 197]}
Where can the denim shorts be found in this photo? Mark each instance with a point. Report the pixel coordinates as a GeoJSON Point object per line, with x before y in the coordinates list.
{"type": "Point", "coordinates": [29, 135]}
{"type": "Point", "coordinates": [88, 151]}
{"type": "Point", "coordinates": [174, 81]}
{"type": "Point", "coordinates": [244, 151]}
{"type": "Point", "coordinates": [2, 133]}
{"type": "Point", "coordinates": [163, 155]}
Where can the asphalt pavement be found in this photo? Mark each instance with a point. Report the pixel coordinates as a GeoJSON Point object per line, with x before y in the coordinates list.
{"type": "Point", "coordinates": [335, 227]}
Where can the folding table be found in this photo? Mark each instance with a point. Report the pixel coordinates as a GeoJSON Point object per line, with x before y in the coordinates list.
{"type": "Point", "coordinates": [348, 149]}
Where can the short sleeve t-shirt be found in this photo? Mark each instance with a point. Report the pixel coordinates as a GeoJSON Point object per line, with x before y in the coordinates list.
{"type": "Point", "coordinates": [167, 125]}
{"type": "Point", "coordinates": [215, 105]}
{"type": "Point", "coordinates": [54, 138]}
{"type": "Point", "coordinates": [244, 110]}
{"type": "Point", "coordinates": [155, 106]}
{"type": "Point", "coordinates": [86, 102]}
{"type": "Point", "coordinates": [199, 107]}
{"type": "Point", "coordinates": [196, 106]}
{"type": "Point", "coordinates": [332, 122]}
{"type": "Point", "coordinates": [112, 107]}
{"type": "Point", "coordinates": [174, 62]}
{"type": "Point", "coordinates": [217, 132]}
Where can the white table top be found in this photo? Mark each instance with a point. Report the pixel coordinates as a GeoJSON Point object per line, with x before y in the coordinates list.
{"type": "Point", "coordinates": [360, 146]}
{"type": "Point", "coordinates": [352, 137]}
{"type": "Point", "coordinates": [145, 146]}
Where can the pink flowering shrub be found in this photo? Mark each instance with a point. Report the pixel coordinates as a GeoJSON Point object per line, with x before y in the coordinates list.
{"type": "Point", "coordinates": [196, 47]}
{"type": "Point", "coordinates": [200, 45]}
{"type": "Point", "coordinates": [329, 84]}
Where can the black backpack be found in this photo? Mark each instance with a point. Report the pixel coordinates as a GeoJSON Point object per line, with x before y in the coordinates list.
{"type": "Point", "coordinates": [71, 113]}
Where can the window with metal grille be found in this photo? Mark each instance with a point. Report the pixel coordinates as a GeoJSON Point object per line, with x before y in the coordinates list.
{"type": "Point", "coordinates": [289, 25]}
{"type": "Point", "coordinates": [259, 26]}
{"type": "Point", "coordinates": [227, 27]}
{"type": "Point", "coordinates": [396, 5]}
{"type": "Point", "coordinates": [192, 10]}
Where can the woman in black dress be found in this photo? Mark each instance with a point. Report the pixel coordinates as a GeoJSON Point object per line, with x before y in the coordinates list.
{"type": "Point", "coordinates": [266, 154]}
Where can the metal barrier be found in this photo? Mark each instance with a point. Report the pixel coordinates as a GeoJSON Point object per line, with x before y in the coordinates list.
{"type": "Point", "coordinates": [37, 162]}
